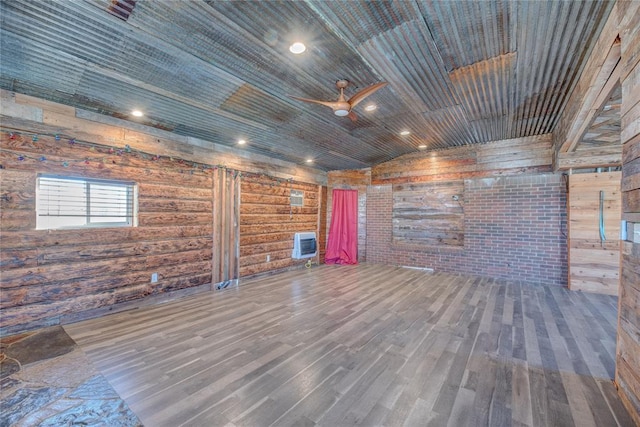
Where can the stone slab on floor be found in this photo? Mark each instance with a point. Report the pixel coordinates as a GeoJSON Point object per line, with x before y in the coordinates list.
{"type": "Point", "coordinates": [47, 380]}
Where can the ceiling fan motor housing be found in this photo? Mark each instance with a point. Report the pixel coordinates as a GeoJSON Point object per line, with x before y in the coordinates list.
{"type": "Point", "coordinates": [341, 108]}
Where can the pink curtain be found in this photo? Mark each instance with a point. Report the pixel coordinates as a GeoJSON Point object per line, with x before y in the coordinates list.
{"type": "Point", "coordinates": [342, 243]}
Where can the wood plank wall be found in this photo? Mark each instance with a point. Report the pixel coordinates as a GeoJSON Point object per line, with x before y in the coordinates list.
{"type": "Point", "coordinates": [594, 264]}
{"type": "Point", "coordinates": [628, 351]}
{"type": "Point", "coordinates": [357, 179]}
{"type": "Point", "coordinates": [499, 158]}
{"type": "Point", "coordinates": [268, 222]}
{"type": "Point", "coordinates": [47, 275]}
{"type": "Point", "coordinates": [427, 214]}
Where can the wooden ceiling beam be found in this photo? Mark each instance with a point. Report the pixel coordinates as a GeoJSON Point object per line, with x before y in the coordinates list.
{"type": "Point", "coordinates": [583, 103]}
{"type": "Point", "coordinates": [596, 157]}
{"type": "Point", "coordinates": [599, 92]}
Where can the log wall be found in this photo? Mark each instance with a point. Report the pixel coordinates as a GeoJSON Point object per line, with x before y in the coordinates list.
{"type": "Point", "coordinates": [50, 274]}
{"type": "Point", "coordinates": [57, 276]}
{"type": "Point", "coordinates": [268, 222]}
{"type": "Point", "coordinates": [628, 351]}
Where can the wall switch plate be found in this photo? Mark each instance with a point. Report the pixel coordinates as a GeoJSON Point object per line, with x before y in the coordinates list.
{"type": "Point", "coordinates": [268, 258]}
{"type": "Point", "coordinates": [154, 278]}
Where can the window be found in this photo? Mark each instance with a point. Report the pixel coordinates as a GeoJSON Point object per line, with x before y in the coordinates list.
{"type": "Point", "coordinates": [297, 198]}
{"type": "Point", "coordinates": [64, 202]}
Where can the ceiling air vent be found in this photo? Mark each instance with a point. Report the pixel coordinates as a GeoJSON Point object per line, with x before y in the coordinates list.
{"type": "Point", "coordinates": [121, 8]}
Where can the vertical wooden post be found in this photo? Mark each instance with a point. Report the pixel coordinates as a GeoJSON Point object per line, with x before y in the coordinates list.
{"type": "Point", "coordinates": [226, 227]}
{"type": "Point", "coordinates": [236, 227]}
{"type": "Point", "coordinates": [215, 261]}
{"type": "Point", "coordinates": [319, 225]}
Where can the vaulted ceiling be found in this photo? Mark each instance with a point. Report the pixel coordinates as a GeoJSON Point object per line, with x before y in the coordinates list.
{"type": "Point", "coordinates": [459, 72]}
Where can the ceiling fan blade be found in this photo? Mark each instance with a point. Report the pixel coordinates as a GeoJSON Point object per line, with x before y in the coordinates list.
{"type": "Point", "coordinates": [352, 116]}
{"type": "Point", "coordinates": [358, 97]}
{"type": "Point", "coordinates": [314, 101]}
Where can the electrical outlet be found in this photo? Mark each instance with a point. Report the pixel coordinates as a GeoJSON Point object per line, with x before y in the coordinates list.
{"type": "Point", "coordinates": [268, 258]}
{"type": "Point", "coordinates": [154, 277]}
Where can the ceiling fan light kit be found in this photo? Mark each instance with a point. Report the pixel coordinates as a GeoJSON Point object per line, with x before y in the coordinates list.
{"type": "Point", "coordinates": [342, 107]}
{"type": "Point", "coordinates": [297, 48]}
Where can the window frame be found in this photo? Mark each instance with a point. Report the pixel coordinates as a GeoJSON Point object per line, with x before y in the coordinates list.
{"type": "Point", "coordinates": [131, 206]}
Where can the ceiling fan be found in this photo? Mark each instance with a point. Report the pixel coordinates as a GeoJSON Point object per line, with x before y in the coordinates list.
{"type": "Point", "coordinates": [342, 107]}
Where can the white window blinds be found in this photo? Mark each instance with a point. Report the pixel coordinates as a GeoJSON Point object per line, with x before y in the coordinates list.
{"type": "Point", "coordinates": [64, 202]}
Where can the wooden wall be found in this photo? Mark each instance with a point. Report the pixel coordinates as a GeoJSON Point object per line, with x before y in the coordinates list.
{"type": "Point", "coordinates": [428, 214]}
{"type": "Point", "coordinates": [499, 158]}
{"type": "Point", "coordinates": [52, 277]}
{"type": "Point", "coordinates": [268, 222]}
{"type": "Point", "coordinates": [594, 263]}
{"type": "Point", "coordinates": [357, 179]}
{"type": "Point", "coordinates": [47, 275]}
{"type": "Point", "coordinates": [628, 352]}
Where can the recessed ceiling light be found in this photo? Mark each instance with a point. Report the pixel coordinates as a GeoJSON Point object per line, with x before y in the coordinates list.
{"type": "Point", "coordinates": [137, 113]}
{"type": "Point", "coordinates": [422, 146]}
{"type": "Point", "coordinates": [405, 132]}
{"type": "Point", "coordinates": [309, 160]}
{"type": "Point", "coordinates": [297, 48]}
{"type": "Point", "coordinates": [241, 142]}
{"type": "Point", "coordinates": [370, 107]}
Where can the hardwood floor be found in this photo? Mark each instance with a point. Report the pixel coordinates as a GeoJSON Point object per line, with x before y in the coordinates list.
{"type": "Point", "coordinates": [365, 345]}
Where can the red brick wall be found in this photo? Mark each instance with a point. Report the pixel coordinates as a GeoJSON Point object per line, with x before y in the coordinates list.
{"type": "Point", "coordinates": [514, 229]}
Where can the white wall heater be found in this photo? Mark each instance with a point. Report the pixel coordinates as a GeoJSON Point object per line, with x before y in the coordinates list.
{"type": "Point", "coordinates": [304, 245]}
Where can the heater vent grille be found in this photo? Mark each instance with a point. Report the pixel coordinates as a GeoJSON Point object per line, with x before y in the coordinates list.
{"type": "Point", "coordinates": [304, 245]}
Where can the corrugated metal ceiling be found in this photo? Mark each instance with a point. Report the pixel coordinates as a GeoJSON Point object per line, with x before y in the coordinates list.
{"type": "Point", "coordinates": [459, 72]}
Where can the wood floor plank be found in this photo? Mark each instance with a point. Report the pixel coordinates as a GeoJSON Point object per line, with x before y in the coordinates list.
{"type": "Point", "coordinates": [364, 345]}
{"type": "Point", "coordinates": [521, 397]}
